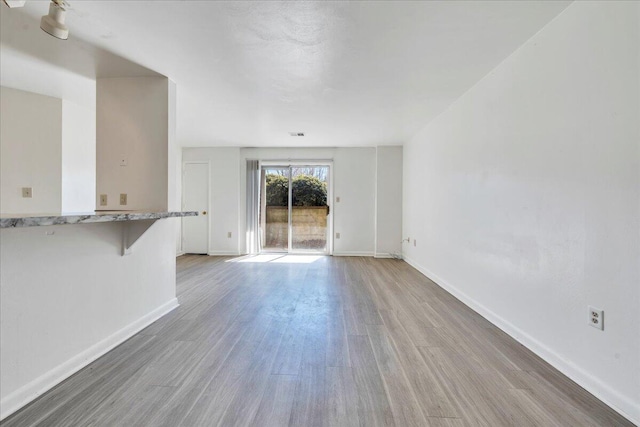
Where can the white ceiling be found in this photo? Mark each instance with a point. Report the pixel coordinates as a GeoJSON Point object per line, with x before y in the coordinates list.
{"type": "Point", "coordinates": [248, 73]}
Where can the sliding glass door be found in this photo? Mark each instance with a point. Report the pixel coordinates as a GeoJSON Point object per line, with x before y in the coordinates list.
{"type": "Point", "coordinates": [274, 212]}
{"type": "Point", "coordinates": [309, 209]}
{"type": "Point", "coordinates": [294, 211]}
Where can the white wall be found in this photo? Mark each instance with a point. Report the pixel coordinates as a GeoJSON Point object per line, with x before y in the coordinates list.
{"type": "Point", "coordinates": [524, 197]}
{"type": "Point", "coordinates": [224, 196]}
{"type": "Point", "coordinates": [388, 200]}
{"type": "Point", "coordinates": [283, 155]}
{"type": "Point", "coordinates": [47, 144]}
{"type": "Point", "coordinates": [354, 216]}
{"type": "Point", "coordinates": [354, 172]}
{"type": "Point", "coordinates": [353, 182]}
{"type": "Point", "coordinates": [68, 296]}
{"type": "Point", "coordinates": [133, 124]}
{"type": "Point", "coordinates": [31, 151]}
{"type": "Point", "coordinates": [74, 175]}
{"type": "Point", "coordinates": [78, 157]}
{"type": "Point", "coordinates": [26, 72]}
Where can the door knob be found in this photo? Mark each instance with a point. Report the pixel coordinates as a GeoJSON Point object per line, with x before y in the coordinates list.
{"type": "Point", "coordinates": [204, 212]}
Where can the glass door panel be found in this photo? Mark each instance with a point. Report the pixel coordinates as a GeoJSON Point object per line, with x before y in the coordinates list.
{"type": "Point", "coordinates": [309, 210]}
{"type": "Point", "coordinates": [274, 209]}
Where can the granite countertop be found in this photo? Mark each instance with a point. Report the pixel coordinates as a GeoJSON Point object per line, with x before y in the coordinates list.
{"type": "Point", "coordinates": [35, 220]}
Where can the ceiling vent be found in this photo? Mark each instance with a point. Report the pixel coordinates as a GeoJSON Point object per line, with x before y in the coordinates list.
{"type": "Point", "coordinates": [296, 133]}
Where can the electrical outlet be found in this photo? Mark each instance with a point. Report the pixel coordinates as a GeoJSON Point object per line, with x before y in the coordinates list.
{"type": "Point", "coordinates": [596, 318]}
{"type": "Point", "coordinates": [123, 198]}
{"type": "Point", "coordinates": [27, 192]}
{"type": "Point", "coordinates": [337, 235]}
{"type": "Point", "coordinates": [414, 242]}
{"type": "Point", "coordinates": [103, 200]}
{"type": "Point", "coordinates": [228, 234]}
{"type": "Point", "coordinates": [123, 161]}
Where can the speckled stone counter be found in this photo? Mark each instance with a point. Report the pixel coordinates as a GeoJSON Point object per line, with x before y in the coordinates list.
{"type": "Point", "coordinates": [35, 220]}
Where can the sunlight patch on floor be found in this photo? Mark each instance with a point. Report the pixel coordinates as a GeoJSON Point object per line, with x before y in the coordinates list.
{"type": "Point", "coordinates": [279, 258]}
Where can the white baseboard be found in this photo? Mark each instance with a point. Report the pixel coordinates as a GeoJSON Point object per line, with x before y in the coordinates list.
{"type": "Point", "coordinates": [382, 255]}
{"type": "Point", "coordinates": [223, 253]}
{"type": "Point", "coordinates": [353, 254]}
{"type": "Point", "coordinates": [387, 255]}
{"type": "Point", "coordinates": [617, 401]}
{"type": "Point", "coordinates": [42, 384]}
{"type": "Point", "coordinates": [179, 254]}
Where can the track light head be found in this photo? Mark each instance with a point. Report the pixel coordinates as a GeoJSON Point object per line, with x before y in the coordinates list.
{"type": "Point", "coordinates": [53, 23]}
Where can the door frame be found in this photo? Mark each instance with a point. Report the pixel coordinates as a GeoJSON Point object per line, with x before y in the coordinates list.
{"type": "Point", "coordinates": [298, 163]}
{"type": "Point", "coordinates": [208, 163]}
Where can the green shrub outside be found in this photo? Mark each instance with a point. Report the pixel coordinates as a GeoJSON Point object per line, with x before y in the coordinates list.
{"type": "Point", "coordinates": [307, 191]}
{"type": "Point", "coordinates": [277, 190]}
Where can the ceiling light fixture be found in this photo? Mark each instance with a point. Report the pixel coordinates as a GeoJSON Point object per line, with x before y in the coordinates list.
{"type": "Point", "coordinates": [53, 23]}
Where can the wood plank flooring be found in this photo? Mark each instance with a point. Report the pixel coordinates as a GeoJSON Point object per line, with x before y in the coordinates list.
{"type": "Point", "coordinates": [332, 342]}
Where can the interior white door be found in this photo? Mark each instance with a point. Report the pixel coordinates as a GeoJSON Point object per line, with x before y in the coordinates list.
{"type": "Point", "coordinates": [195, 197]}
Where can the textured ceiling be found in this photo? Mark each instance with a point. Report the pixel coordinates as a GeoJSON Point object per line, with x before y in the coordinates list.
{"type": "Point", "coordinates": [248, 73]}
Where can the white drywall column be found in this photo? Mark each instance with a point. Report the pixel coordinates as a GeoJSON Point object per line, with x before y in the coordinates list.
{"type": "Point", "coordinates": [174, 166]}
{"type": "Point", "coordinates": [133, 142]}
{"type": "Point", "coordinates": [78, 158]}
{"type": "Point", "coordinates": [178, 184]}
{"type": "Point", "coordinates": [174, 153]}
{"type": "Point", "coordinates": [388, 201]}
{"type": "Point", "coordinates": [524, 197]}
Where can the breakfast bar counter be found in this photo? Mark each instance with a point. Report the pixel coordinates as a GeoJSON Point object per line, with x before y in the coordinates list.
{"type": "Point", "coordinates": [36, 220]}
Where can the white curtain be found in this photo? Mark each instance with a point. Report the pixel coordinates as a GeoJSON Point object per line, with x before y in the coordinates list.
{"type": "Point", "coordinates": [253, 204]}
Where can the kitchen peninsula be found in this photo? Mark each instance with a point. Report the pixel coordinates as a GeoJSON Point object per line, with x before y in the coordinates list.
{"type": "Point", "coordinates": [74, 286]}
{"type": "Point", "coordinates": [35, 220]}
{"type": "Point", "coordinates": [69, 294]}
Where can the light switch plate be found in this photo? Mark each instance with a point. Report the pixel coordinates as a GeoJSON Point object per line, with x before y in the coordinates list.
{"type": "Point", "coordinates": [123, 198]}
{"type": "Point", "coordinates": [103, 200]}
{"type": "Point", "coordinates": [27, 192]}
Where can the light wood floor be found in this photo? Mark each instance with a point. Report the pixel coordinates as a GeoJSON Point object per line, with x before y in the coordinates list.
{"type": "Point", "coordinates": [334, 342]}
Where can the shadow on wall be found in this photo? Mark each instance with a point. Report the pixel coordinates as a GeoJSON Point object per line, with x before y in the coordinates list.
{"type": "Point", "coordinates": [21, 31]}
